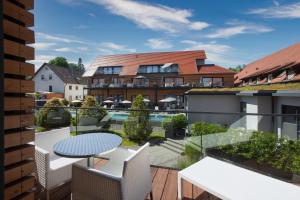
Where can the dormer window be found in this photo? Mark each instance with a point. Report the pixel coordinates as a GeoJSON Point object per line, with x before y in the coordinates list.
{"type": "Point", "coordinates": [270, 77]}
{"type": "Point", "coordinates": [158, 68]}
{"type": "Point", "coordinates": [109, 70]}
{"type": "Point", "coordinates": [290, 74]}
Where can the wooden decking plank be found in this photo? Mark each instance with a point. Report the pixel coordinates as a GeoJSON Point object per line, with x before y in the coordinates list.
{"type": "Point", "coordinates": [153, 172]}
{"type": "Point", "coordinates": [187, 190]}
{"type": "Point", "coordinates": [159, 182]}
{"type": "Point", "coordinates": [170, 191]}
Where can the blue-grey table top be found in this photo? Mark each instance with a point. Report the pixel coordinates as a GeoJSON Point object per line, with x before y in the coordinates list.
{"type": "Point", "coordinates": [87, 145]}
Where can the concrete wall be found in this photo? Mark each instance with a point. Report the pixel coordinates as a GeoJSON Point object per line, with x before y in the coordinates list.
{"type": "Point", "coordinates": [73, 93]}
{"type": "Point", "coordinates": [43, 85]}
{"type": "Point", "coordinates": [213, 103]}
{"type": "Point", "coordinates": [265, 106]}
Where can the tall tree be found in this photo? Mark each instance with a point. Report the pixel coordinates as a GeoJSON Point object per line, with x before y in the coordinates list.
{"type": "Point", "coordinates": [59, 61]}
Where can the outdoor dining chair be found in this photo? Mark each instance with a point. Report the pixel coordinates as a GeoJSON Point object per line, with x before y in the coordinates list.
{"type": "Point", "coordinates": [53, 170]}
{"type": "Point", "coordinates": [126, 176]}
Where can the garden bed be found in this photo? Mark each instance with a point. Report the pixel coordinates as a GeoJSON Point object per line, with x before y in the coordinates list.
{"type": "Point", "coordinates": [253, 165]}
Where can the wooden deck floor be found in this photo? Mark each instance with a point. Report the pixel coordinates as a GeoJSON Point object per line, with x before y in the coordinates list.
{"type": "Point", "coordinates": [164, 186]}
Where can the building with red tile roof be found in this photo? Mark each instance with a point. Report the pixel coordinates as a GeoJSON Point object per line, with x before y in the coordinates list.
{"type": "Point", "coordinates": [281, 66]}
{"type": "Point", "coordinates": [155, 75]}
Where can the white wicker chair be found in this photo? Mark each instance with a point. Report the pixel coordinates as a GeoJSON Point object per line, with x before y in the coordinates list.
{"type": "Point", "coordinates": [53, 170]}
{"type": "Point", "coordinates": [126, 176]}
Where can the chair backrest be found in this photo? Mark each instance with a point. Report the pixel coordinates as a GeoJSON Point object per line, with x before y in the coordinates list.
{"type": "Point", "coordinates": [46, 140]}
{"type": "Point", "coordinates": [136, 183]}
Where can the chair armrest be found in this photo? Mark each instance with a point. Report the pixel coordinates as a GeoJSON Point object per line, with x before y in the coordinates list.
{"type": "Point", "coordinates": [42, 161]}
{"type": "Point", "coordinates": [92, 184]}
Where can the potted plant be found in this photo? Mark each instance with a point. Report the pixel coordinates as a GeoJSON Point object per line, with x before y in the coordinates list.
{"type": "Point", "coordinates": [175, 125]}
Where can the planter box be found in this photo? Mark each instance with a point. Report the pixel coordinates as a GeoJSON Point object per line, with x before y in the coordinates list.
{"type": "Point", "coordinates": [253, 165]}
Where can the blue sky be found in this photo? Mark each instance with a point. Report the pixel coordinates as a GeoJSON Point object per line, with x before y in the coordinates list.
{"type": "Point", "coordinates": [232, 32]}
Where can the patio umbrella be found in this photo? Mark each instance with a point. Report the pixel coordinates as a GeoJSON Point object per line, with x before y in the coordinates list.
{"type": "Point", "coordinates": [146, 100]}
{"type": "Point", "coordinates": [126, 102]}
{"type": "Point", "coordinates": [76, 101]}
{"type": "Point", "coordinates": [167, 100]}
{"type": "Point", "coordinates": [140, 77]}
{"type": "Point", "coordinates": [108, 101]}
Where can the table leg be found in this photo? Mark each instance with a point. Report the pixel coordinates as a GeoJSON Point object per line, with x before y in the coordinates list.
{"type": "Point", "coordinates": [180, 187]}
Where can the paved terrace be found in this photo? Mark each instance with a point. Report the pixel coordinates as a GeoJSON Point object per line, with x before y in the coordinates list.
{"type": "Point", "coordinates": [164, 186]}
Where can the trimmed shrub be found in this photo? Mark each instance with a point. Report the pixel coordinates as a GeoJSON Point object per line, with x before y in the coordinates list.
{"type": "Point", "coordinates": [137, 126]}
{"type": "Point", "coordinates": [65, 102]}
{"type": "Point", "coordinates": [51, 116]}
{"type": "Point", "coordinates": [204, 128]}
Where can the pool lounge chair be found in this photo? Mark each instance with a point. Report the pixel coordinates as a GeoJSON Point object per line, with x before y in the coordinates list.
{"type": "Point", "coordinates": [126, 176]}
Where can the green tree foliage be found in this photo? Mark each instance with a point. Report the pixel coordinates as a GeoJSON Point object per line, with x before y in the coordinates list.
{"type": "Point", "coordinates": [137, 126]}
{"type": "Point", "coordinates": [90, 108]}
{"type": "Point", "coordinates": [63, 62]}
{"type": "Point", "coordinates": [47, 114]}
{"type": "Point", "coordinates": [65, 102]}
{"type": "Point", "coordinates": [59, 61]}
{"type": "Point", "coordinates": [237, 68]}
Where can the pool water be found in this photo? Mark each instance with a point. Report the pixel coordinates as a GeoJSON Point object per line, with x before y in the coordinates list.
{"type": "Point", "coordinates": [124, 116]}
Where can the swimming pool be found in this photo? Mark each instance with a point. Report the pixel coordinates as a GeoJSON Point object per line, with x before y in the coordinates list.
{"type": "Point", "coordinates": [124, 116]}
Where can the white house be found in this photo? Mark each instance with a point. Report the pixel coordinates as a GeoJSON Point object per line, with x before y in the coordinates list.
{"type": "Point", "coordinates": [264, 109]}
{"type": "Point", "coordinates": [61, 80]}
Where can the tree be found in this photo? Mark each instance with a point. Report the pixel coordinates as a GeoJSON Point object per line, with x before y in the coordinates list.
{"type": "Point", "coordinates": [59, 61]}
{"type": "Point", "coordinates": [137, 126]}
{"type": "Point", "coordinates": [63, 62]}
{"type": "Point", "coordinates": [90, 108]}
{"type": "Point", "coordinates": [238, 68]}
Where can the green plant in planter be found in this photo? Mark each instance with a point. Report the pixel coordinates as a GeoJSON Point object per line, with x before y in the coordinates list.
{"type": "Point", "coordinates": [179, 121]}
{"type": "Point", "coordinates": [65, 102]}
{"type": "Point", "coordinates": [51, 115]}
{"type": "Point", "coordinates": [137, 126]}
{"type": "Point", "coordinates": [91, 111]}
{"type": "Point", "coordinates": [204, 128]}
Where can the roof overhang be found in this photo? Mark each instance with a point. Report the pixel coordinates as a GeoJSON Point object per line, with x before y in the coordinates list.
{"type": "Point", "coordinates": [287, 93]}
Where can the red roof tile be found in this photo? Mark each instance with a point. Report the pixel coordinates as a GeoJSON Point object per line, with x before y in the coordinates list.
{"type": "Point", "coordinates": [131, 62]}
{"type": "Point", "coordinates": [214, 69]}
{"type": "Point", "coordinates": [289, 56]}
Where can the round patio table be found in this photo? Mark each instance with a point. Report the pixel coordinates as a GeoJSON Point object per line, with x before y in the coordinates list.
{"type": "Point", "coordinates": [87, 145]}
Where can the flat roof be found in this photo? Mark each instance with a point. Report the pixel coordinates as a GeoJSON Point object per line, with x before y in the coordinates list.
{"type": "Point", "coordinates": [257, 90]}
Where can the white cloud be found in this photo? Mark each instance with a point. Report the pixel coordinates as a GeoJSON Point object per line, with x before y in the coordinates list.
{"type": "Point", "coordinates": [237, 28]}
{"type": "Point", "coordinates": [287, 11]}
{"type": "Point", "coordinates": [66, 49]}
{"type": "Point", "coordinates": [43, 45]}
{"type": "Point", "coordinates": [91, 14]}
{"type": "Point", "coordinates": [110, 48]}
{"type": "Point", "coordinates": [153, 16]}
{"type": "Point", "coordinates": [40, 59]}
{"type": "Point", "coordinates": [81, 27]}
{"type": "Point", "coordinates": [156, 43]}
{"type": "Point", "coordinates": [216, 53]}
{"type": "Point", "coordinates": [56, 38]}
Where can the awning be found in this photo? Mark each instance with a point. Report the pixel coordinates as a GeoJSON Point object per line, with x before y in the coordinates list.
{"type": "Point", "coordinates": [228, 181]}
{"type": "Point", "coordinates": [167, 100]}
{"type": "Point", "coordinates": [166, 65]}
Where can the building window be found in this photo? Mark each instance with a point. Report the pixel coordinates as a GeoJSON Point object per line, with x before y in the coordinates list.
{"type": "Point", "coordinates": [291, 124]}
{"type": "Point", "coordinates": [50, 76]}
{"type": "Point", "coordinates": [243, 107]}
{"type": "Point", "coordinates": [76, 97]}
{"type": "Point", "coordinates": [76, 87]}
{"type": "Point", "coordinates": [218, 82]}
{"type": "Point", "coordinates": [50, 88]}
{"type": "Point", "coordinates": [170, 82]}
{"type": "Point", "coordinates": [207, 82]}
{"type": "Point", "coordinates": [155, 68]}
{"type": "Point", "coordinates": [70, 87]}
{"type": "Point", "coordinates": [42, 77]}
{"type": "Point", "coordinates": [70, 98]}
{"type": "Point", "coordinates": [212, 82]}
{"type": "Point", "coordinates": [109, 70]}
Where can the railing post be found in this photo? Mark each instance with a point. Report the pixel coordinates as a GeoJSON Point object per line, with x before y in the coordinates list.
{"type": "Point", "coordinates": [76, 117]}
